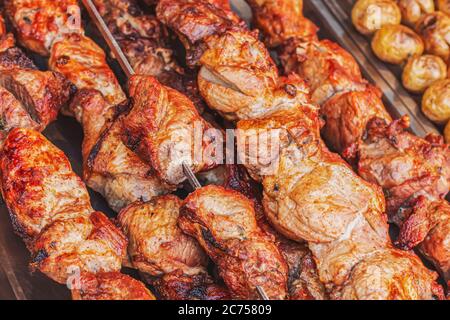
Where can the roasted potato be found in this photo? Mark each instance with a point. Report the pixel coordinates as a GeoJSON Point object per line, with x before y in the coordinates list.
{"type": "Point", "coordinates": [436, 102]}
{"type": "Point", "coordinates": [413, 10]}
{"type": "Point", "coordinates": [435, 31]}
{"type": "Point", "coordinates": [369, 16]}
{"type": "Point", "coordinates": [443, 5]}
{"type": "Point", "coordinates": [396, 43]}
{"type": "Point", "coordinates": [422, 71]}
{"type": "Point", "coordinates": [447, 133]}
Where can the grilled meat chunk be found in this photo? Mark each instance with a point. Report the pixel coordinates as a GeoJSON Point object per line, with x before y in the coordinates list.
{"type": "Point", "coordinates": [109, 167]}
{"type": "Point", "coordinates": [83, 62]}
{"type": "Point", "coordinates": [110, 286]}
{"type": "Point", "coordinates": [179, 286]}
{"type": "Point", "coordinates": [403, 164]}
{"type": "Point", "coordinates": [281, 20]}
{"type": "Point", "coordinates": [39, 22]}
{"type": "Point", "coordinates": [156, 245]}
{"type": "Point", "coordinates": [426, 225]}
{"type": "Point", "coordinates": [224, 223]}
{"type": "Point", "coordinates": [50, 209]}
{"type": "Point", "coordinates": [14, 57]}
{"type": "Point", "coordinates": [194, 21]}
{"type": "Point", "coordinates": [313, 195]}
{"type": "Point", "coordinates": [6, 39]}
{"type": "Point", "coordinates": [41, 93]}
{"type": "Point", "coordinates": [13, 114]}
{"type": "Point", "coordinates": [347, 114]}
{"type": "Point", "coordinates": [163, 127]}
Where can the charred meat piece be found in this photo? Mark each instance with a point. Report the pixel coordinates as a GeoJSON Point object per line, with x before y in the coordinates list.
{"type": "Point", "coordinates": [224, 223]}
{"type": "Point", "coordinates": [194, 21]}
{"type": "Point", "coordinates": [157, 245]}
{"type": "Point", "coordinates": [427, 226]}
{"type": "Point", "coordinates": [15, 58]}
{"type": "Point", "coordinates": [50, 209]}
{"type": "Point", "coordinates": [178, 286]}
{"type": "Point", "coordinates": [326, 67]}
{"type": "Point", "coordinates": [173, 262]}
{"type": "Point", "coordinates": [41, 93]}
{"type": "Point", "coordinates": [109, 167]}
{"type": "Point", "coordinates": [39, 22]}
{"type": "Point", "coordinates": [13, 114]}
{"type": "Point", "coordinates": [403, 164]}
{"type": "Point", "coordinates": [110, 286]}
{"type": "Point", "coordinates": [281, 20]}
{"type": "Point", "coordinates": [83, 62]}
{"type": "Point", "coordinates": [164, 128]}
{"type": "Point", "coordinates": [347, 114]}
{"type": "Point", "coordinates": [313, 195]}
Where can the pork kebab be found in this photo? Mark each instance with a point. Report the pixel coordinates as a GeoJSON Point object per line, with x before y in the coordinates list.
{"type": "Point", "coordinates": [345, 223]}
{"type": "Point", "coordinates": [358, 126]}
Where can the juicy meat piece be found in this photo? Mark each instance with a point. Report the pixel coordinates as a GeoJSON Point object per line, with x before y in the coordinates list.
{"type": "Point", "coordinates": [403, 164]}
{"type": "Point", "coordinates": [157, 246]}
{"type": "Point", "coordinates": [303, 280]}
{"type": "Point", "coordinates": [13, 114]}
{"type": "Point", "coordinates": [6, 39]}
{"type": "Point", "coordinates": [110, 286]}
{"type": "Point", "coordinates": [314, 195]}
{"type": "Point", "coordinates": [15, 58]}
{"type": "Point", "coordinates": [281, 20]}
{"type": "Point", "coordinates": [109, 167]}
{"type": "Point", "coordinates": [326, 67]}
{"type": "Point", "coordinates": [41, 93]}
{"type": "Point", "coordinates": [194, 21]}
{"type": "Point", "coordinates": [39, 22]}
{"type": "Point", "coordinates": [143, 39]}
{"type": "Point", "coordinates": [178, 286]}
{"type": "Point", "coordinates": [50, 209]}
{"type": "Point", "coordinates": [224, 223]}
{"type": "Point", "coordinates": [427, 226]}
{"type": "Point", "coordinates": [165, 130]}
{"type": "Point", "coordinates": [83, 62]}
{"type": "Point", "coordinates": [346, 116]}
{"type": "Point", "coordinates": [239, 79]}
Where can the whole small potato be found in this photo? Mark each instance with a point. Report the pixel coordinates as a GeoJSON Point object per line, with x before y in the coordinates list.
{"type": "Point", "coordinates": [396, 43]}
{"type": "Point", "coordinates": [436, 102]}
{"type": "Point", "coordinates": [413, 10]}
{"type": "Point", "coordinates": [422, 71]}
{"type": "Point", "coordinates": [435, 31]}
{"type": "Point", "coordinates": [443, 5]}
{"type": "Point", "coordinates": [369, 16]}
{"type": "Point", "coordinates": [447, 133]}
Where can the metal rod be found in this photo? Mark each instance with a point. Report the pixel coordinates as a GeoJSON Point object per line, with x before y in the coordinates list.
{"type": "Point", "coordinates": [109, 38]}
{"type": "Point", "coordinates": [129, 71]}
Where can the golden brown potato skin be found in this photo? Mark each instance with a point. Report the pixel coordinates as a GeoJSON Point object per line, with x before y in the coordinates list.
{"type": "Point", "coordinates": [413, 10]}
{"type": "Point", "coordinates": [435, 102]}
{"type": "Point", "coordinates": [396, 43]}
{"type": "Point", "coordinates": [369, 16]}
{"type": "Point", "coordinates": [110, 286]}
{"type": "Point", "coordinates": [224, 223]}
{"type": "Point", "coordinates": [421, 72]}
{"type": "Point", "coordinates": [434, 28]}
{"type": "Point", "coordinates": [50, 209]}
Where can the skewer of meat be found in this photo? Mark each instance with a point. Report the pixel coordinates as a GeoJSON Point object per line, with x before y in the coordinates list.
{"type": "Point", "coordinates": [346, 229]}
{"type": "Point", "coordinates": [358, 126]}
{"type": "Point", "coordinates": [50, 209]}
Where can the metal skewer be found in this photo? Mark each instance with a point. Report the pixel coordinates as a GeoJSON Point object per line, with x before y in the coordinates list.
{"type": "Point", "coordinates": [129, 71]}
